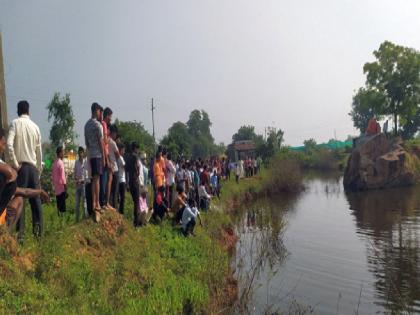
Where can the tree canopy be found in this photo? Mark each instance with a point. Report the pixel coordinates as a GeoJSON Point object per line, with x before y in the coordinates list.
{"type": "Point", "coordinates": [310, 145]}
{"type": "Point", "coordinates": [62, 129]}
{"type": "Point", "coordinates": [392, 89]}
{"type": "Point", "coordinates": [178, 140]}
{"type": "Point", "coordinates": [192, 139]}
{"type": "Point", "coordinates": [245, 133]}
{"type": "Point", "coordinates": [131, 131]}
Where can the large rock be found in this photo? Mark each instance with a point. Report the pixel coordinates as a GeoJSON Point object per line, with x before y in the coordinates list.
{"type": "Point", "coordinates": [377, 162]}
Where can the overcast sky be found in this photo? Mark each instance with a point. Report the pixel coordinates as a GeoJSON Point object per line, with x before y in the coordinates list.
{"type": "Point", "coordinates": [290, 64]}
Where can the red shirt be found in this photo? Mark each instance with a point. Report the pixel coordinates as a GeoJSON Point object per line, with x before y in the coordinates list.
{"type": "Point", "coordinates": [106, 135]}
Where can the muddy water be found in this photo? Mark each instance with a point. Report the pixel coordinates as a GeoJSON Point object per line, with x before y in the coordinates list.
{"type": "Point", "coordinates": [331, 252]}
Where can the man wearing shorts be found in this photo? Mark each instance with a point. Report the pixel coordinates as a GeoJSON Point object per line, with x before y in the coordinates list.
{"type": "Point", "coordinates": [95, 151]}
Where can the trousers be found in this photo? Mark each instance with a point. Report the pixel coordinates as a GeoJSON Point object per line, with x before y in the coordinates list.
{"type": "Point", "coordinates": [28, 177]}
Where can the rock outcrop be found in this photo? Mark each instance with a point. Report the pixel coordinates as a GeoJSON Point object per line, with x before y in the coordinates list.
{"type": "Point", "coordinates": [378, 162]}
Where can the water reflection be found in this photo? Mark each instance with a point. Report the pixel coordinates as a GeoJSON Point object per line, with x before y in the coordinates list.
{"type": "Point", "coordinates": [338, 252]}
{"type": "Point", "coordinates": [388, 221]}
{"type": "Point", "coordinates": [261, 249]}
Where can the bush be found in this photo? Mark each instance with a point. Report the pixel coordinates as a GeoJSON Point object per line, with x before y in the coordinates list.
{"type": "Point", "coordinates": [284, 175]}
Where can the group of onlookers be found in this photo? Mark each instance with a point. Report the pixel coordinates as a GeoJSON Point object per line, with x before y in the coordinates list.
{"type": "Point", "coordinates": [179, 188]}
{"type": "Point", "coordinates": [247, 167]}
{"type": "Point", "coordinates": [104, 172]}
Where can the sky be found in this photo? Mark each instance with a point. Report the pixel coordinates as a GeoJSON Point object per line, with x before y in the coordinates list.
{"type": "Point", "coordinates": [293, 65]}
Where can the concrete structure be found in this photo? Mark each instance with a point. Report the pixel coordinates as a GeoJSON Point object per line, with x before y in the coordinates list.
{"type": "Point", "coordinates": [3, 106]}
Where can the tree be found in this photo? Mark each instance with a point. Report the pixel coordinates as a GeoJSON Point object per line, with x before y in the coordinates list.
{"type": "Point", "coordinates": [199, 124]}
{"type": "Point", "coordinates": [202, 142]}
{"type": "Point", "coordinates": [131, 131]}
{"type": "Point", "coordinates": [62, 129]}
{"type": "Point", "coordinates": [178, 140]}
{"type": "Point", "coordinates": [272, 144]}
{"type": "Point", "coordinates": [310, 145]}
{"type": "Point", "coordinates": [275, 138]}
{"type": "Point", "coordinates": [245, 133]}
{"type": "Point", "coordinates": [393, 87]}
{"type": "Point", "coordinates": [366, 104]}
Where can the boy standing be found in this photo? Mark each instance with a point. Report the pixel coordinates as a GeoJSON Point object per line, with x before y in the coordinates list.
{"type": "Point", "coordinates": [59, 181]}
{"type": "Point", "coordinates": [133, 172]}
{"type": "Point", "coordinates": [121, 178]}
{"type": "Point", "coordinates": [79, 178]}
{"type": "Point", "coordinates": [114, 156]}
{"type": "Point", "coordinates": [95, 148]}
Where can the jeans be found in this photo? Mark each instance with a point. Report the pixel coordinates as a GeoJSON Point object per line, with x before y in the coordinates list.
{"type": "Point", "coordinates": [28, 177]}
{"type": "Point", "coordinates": [61, 202]}
{"type": "Point", "coordinates": [89, 201]}
{"type": "Point", "coordinates": [114, 190]}
{"type": "Point", "coordinates": [80, 199]}
{"type": "Point", "coordinates": [135, 194]}
{"type": "Point", "coordinates": [170, 194]}
{"type": "Point", "coordinates": [103, 183]}
{"type": "Point", "coordinates": [189, 228]}
{"type": "Point", "coordinates": [121, 188]}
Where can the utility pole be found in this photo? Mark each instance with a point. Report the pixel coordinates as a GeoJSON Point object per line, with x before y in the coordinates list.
{"type": "Point", "coordinates": [153, 124]}
{"type": "Point", "coordinates": [3, 105]}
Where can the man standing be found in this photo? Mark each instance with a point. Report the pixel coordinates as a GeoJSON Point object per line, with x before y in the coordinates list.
{"type": "Point", "coordinates": [59, 181]}
{"type": "Point", "coordinates": [79, 178]}
{"type": "Point", "coordinates": [133, 173]}
{"type": "Point", "coordinates": [94, 137]}
{"type": "Point", "coordinates": [106, 177]}
{"type": "Point", "coordinates": [11, 196]}
{"type": "Point", "coordinates": [25, 153]}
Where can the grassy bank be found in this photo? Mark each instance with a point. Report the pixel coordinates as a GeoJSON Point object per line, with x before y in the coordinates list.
{"type": "Point", "coordinates": [109, 268]}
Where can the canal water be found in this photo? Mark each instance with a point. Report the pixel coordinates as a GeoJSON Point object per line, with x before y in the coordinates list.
{"type": "Point", "coordinates": [330, 252]}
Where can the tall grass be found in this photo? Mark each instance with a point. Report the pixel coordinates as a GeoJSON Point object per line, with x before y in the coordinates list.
{"type": "Point", "coordinates": [284, 175]}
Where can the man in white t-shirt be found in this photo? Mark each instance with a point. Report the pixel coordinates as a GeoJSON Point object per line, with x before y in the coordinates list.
{"type": "Point", "coordinates": [114, 156]}
{"type": "Point", "coordinates": [122, 186]}
{"type": "Point", "coordinates": [25, 153]}
{"type": "Point", "coordinates": [189, 217]}
{"type": "Point", "coordinates": [170, 179]}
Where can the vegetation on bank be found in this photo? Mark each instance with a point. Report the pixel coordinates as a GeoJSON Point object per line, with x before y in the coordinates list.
{"type": "Point", "coordinates": [111, 267]}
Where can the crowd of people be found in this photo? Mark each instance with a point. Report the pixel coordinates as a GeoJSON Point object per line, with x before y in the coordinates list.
{"type": "Point", "coordinates": [104, 171]}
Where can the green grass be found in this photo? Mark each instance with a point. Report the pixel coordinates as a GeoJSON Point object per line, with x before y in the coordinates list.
{"type": "Point", "coordinates": [112, 268]}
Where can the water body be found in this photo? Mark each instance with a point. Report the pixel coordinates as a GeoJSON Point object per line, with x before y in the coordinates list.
{"type": "Point", "coordinates": [331, 252]}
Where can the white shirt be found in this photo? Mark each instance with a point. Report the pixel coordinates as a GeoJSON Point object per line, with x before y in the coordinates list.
{"type": "Point", "coordinates": [202, 192]}
{"type": "Point", "coordinates": [87, 171]}
{"type": "Point", "coordinates": [24, 143]}
{"type": "Point", "coordinates": [121, 170]}
{"type": "Point", "coordinates": [170, 172]}
{"type": "Point", "coordinates": [79, 170]}
{"type": "Point", "coordinates": [112, 146]}
{"type": "Point", "coordinates": [141, 173]}
{"type": "Point", "coordinates": [188, 214]}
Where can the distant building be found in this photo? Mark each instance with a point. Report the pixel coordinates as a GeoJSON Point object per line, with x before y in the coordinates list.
{"type": "Point", "coordinates": [240, 150]}
{"type": "Point", "coordinates": [69, 160]}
